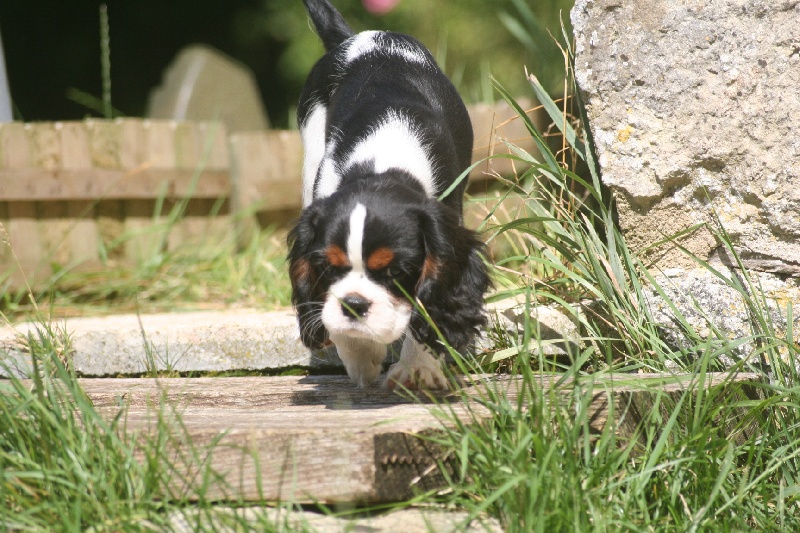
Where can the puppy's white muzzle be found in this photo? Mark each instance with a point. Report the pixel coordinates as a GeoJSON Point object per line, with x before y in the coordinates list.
{"type": "Point", "coordinates": [359, 308]}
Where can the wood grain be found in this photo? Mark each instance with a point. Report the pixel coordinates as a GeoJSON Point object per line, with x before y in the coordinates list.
{"type": "Point", "coordinates": [319, 438]}
{"type": "Point", "coordinates": [93, 184]}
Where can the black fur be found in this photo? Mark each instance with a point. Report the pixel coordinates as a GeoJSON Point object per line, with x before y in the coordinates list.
{"type": "Point", "coordinates": [328, 22]}
{"type": "Point", "coordinates": [437, 260]}
{"type": "Point", "coordinates": [363, 92]}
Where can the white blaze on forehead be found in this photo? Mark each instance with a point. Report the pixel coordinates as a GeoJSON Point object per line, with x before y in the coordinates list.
{"type": "Point", "coordinates": [355, 239]}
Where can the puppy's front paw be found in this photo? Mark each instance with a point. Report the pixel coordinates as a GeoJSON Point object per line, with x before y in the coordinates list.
{"type": "Point", "coordinates": [364, 373]}
{"type": "Point", "coordinates": [421, 374]}
{"type": "Point", "coordinates": [361, 358]}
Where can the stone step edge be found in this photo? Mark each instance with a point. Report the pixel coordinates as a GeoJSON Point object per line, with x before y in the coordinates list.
{"type": "Point", "coordinates": [200, 341]}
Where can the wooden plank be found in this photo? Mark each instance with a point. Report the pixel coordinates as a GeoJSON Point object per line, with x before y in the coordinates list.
{"type": "Point", "coordinates": [268, 169]}
{"type": "Point", "coordinates": [216, 155]}
{"type": "Point", "coordinates": [319, 438]}
{"type": "Point", "coordinates": [82, 233]}
{"type": "Point", "coordinates": [23, 226]}
{"type": "Point", "coordinates": [145, 221]}
{"type": "Point", "coordinates": [194, 152]}
{"type": "Point", "coordinates": [266, 175]}
{"type": "Point", "coordinates": [114, 147]}
{"type": "Point", "coordinates": [25, 184]}
{"type": "Point", "coordinates": [54, 225]}
{"type": "Point", "coordinates": [7, 263]}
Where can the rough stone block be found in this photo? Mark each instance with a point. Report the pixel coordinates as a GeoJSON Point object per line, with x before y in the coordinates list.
{"type": "Point", "coordinates": [695, 111]}
{"type": "Point", "coordinates": [707, 303]}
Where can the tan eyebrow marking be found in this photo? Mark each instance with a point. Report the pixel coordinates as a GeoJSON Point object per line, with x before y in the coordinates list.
{"type": "Point", "coordinates": [336, 256]}
{"type": "Point", "coordinates": [380, 258]}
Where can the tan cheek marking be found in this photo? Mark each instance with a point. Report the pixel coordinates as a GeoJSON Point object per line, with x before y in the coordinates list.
{"type": "Point", "coordinates": [380, 258]}
{"type": "Point", "coordinates": [301, 271]}
{"type": "Point", "coordinates": [336, 256]}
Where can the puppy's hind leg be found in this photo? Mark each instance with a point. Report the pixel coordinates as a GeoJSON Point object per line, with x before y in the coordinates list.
{"type": "Point", "coordinates": [361, 357]}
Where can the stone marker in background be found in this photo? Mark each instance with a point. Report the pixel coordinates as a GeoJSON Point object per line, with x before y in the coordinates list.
{"type": "Point", "coordinates": [5, 94]}
{"type": "Point", "coordinates": [695, 110]}
{"type": "Point", "coordinates": [204, 84]}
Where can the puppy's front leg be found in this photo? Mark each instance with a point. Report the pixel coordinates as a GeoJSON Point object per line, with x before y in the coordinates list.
{"type": "Point", "coordinates": [418, 368]}
{"type": "Point", "coordinates": [361, 357]}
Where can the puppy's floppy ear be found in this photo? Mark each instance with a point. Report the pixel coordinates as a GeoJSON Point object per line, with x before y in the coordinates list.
{"type": "Point", "coordinates": [453, 280]}
{"type": "Point", "coordinates": [307, 294]}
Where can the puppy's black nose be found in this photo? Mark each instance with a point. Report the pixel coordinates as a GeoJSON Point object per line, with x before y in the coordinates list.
{"type": "Point", "coordinates": [354, 306]}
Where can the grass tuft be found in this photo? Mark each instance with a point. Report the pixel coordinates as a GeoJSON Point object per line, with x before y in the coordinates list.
{"type": "Point", "coordinates": [721, 457]}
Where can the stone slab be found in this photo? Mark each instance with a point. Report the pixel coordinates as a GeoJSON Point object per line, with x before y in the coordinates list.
{"type": "Point", "coordinates": [215, 341]}
{"type": "Point", "coordinates": [410, 520]}
{"type": "Point", "coordinates": [196, 341]}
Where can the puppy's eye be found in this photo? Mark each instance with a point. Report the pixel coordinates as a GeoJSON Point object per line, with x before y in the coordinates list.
{"type": "Point", "coordinates": [393, 272]}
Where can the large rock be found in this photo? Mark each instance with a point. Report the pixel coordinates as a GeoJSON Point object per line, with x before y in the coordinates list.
{"type": "Point", "coordinates": [694, 108]}
{"type": "Point", "coordinates": [203, 84]}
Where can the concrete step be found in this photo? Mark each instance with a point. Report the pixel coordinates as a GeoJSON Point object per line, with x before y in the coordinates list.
{"type": "Point", "coordinates": [204, 341]}
{"type": "Point", "coordinates": [411, 520]}
{"type": "Point", "coordinates": [236, 339]}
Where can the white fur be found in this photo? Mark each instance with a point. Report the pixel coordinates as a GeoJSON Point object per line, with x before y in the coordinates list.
{"type": "Point", "coordinates": [368, 42]}
{"type": "Point", "coordinates": [329, 176]}
{"type": "Point", "coordinates": [387, 318]}
{"type": "Point", "coordinates": [361, 357]}
{"type": "Point", "coordinates": [395, 143]}
{"type": "Point", "coordinates": [355, 238]}
{"type": "Point", "coordinates": [312, 133]}
{"type": "Point", "coordinates": [417, 368]}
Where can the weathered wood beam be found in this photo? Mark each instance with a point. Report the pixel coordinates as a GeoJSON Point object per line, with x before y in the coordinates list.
{"type": "Point", "coordinates": [321, 439]}
{"type": "Point", "coordinates": [22, 185]}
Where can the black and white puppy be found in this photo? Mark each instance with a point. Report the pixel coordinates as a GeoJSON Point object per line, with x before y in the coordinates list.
{"type": "Point", "coordinates": [385, 135]}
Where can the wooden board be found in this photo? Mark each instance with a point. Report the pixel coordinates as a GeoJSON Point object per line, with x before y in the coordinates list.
{"type": "Point", "coordinates": [93, 183]}
{"type": "Point", "coordinates": [319, 438]}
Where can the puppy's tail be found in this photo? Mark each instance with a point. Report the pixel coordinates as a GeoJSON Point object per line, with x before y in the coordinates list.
{"type": "Point", "coordinates": [330, 25]}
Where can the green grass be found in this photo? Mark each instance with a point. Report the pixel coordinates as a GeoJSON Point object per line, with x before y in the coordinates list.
{"type": "Point", "coordinates": [65, 466]}
{"type": "Point", "coordinates": [707, 459]}
{"type": "Point", "coordinates": [212, 274]}
{"type": "Point", "coordinates": [712, 459]}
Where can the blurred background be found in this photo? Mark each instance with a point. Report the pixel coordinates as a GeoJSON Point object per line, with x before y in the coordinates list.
{"type": "Point", "coordinates": [53, 47]}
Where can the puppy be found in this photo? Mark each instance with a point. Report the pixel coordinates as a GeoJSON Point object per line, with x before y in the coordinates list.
{"type": "Point", "coordinates": [377, 247]}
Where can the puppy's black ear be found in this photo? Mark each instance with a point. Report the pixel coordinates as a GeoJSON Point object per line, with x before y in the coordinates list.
{"type": "Point", "coordinates": [307, 293]}
{"type": "Point", "coordinates": [453, 280]}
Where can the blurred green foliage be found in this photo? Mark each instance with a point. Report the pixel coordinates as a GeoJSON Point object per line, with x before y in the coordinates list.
{"type": "Point", "coordinates": [53, 48]}
{"type": "Point", "coordinates": [471, 39]}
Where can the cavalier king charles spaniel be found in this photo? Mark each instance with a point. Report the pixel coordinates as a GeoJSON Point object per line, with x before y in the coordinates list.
{"type": "Point", "coordinates": [380, 252]}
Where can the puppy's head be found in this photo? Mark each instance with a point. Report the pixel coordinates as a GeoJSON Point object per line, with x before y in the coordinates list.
{"type": "Point", "coordinates": [355, 259]}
